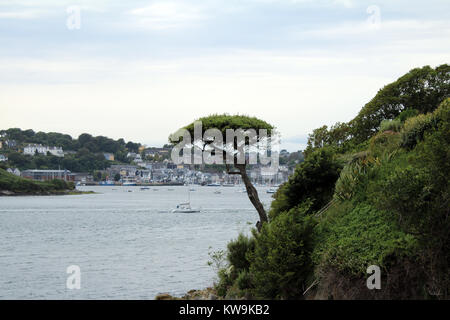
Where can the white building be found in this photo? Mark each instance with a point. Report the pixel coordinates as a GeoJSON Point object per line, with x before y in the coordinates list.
{"type": "Point", "coordinates": [3, 158]}
{"type": "Point", "coordinates": [31, 150]}
{"type": "Point", "coordinates": [14, 171]}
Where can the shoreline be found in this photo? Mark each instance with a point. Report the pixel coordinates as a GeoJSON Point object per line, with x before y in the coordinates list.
{"type": "Point", "coordinates": [7, 193]}
{"type": "Point", "coordinates": [205, 294]}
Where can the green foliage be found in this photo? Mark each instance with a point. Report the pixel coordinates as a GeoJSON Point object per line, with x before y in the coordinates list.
{"type": "Point", "coordinates": [88, 150]}
{"type": "Point", "coordinates": [390, 206]}
{"type": "Point", "coordinates": [244, 281]}
{"type": "Point", "coordinates": [384, 144]}
{"type": "Point", "coordinates": [235, 271]}
{"type": "Point", "coordinates": [422, 89]}
{"type": "Point", "coordinates": [391, 125]}
{"type": "Point", "coordinates": [313, 180]}
{"type": "Point", "coordinates": [225, 282]}
{"type": "Point", "coordinates": [224, 121]}
{"type": "Point", "coordinates": [281, 262]}
{"type": "Point", "coordinates": [11, 182]}
{"type": "Point", "coordinates": [337, 136]}
{"type": "Point", "coordinates": [406, 114]}
{"type": "Point", "coordinates": [238, 251]}
{"type": "Point", "coordinates": [415, 127]}
{"type": "Point", "coordinates": [353, 240]}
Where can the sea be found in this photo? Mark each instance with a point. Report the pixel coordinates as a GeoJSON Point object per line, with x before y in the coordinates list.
{"type": "Point", "coordinates": [118, 243]}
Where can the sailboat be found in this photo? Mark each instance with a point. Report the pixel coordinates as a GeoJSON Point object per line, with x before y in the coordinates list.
{"type": "Point", "coordinates": [185, 207]}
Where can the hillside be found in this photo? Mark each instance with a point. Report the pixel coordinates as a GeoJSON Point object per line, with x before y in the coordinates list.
{"type": "Point", "coordinates": [373, 191]}
{"type": "Point", "coordinates": [84, 154]}
{"type": "Point", "coordinates": [11, 184]}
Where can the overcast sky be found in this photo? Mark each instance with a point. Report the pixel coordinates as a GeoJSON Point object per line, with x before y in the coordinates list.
{"type": "Point", "coordinates": [139, 70]}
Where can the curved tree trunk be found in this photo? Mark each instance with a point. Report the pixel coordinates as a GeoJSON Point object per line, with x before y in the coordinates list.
{"type": "Point", "coordinates": [253, 196]}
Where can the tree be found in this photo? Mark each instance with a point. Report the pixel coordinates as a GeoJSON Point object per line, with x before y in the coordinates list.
{"type": "Point", "coordinates": [19, 160]}
{"type": "Point", "coordinates": [229, 149]}
{"type": "Point", "coordinates": [421, 88]}
{"type": "Point", "coordinates": [313, 180]}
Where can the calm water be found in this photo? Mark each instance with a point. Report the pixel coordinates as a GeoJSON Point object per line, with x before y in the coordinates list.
{"type": "Point", "coordinates": [128, 245]}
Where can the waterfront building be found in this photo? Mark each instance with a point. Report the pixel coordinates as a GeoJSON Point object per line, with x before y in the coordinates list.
{"type": "Point", "coordinates": [45, 175]}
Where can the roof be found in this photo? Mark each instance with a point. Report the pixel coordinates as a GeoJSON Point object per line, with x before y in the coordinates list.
{"type": "Point", "coordinates": [47, 171]}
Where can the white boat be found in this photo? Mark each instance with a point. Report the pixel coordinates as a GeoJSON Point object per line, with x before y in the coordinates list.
{"type": "Point", "coordinates": [129, 181]}
{"type": "Point", "coordinates": [213, 185]}
{"type": "Point", "coordinates": [184, 208]}
{"type": "Point", "coordinates": [271, 190]}
{"type": "Point", "coordinates": [228, 185]}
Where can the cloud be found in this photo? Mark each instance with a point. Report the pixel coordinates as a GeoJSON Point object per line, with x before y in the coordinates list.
{"type": "Point", "coordinates": [24, 14]}
{"type": "Point", "coordinates": [345, 3]}
{"type": "Point", "coordinates": [167, 15]}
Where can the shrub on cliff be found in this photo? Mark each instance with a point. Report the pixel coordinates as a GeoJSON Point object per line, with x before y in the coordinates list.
{"type": "Point", "coordinates": [313, 180]}
{"type": "Point", "coordinates": [281, 262]}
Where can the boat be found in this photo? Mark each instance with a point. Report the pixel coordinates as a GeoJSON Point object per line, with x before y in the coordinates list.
{"type": "Point", "coordinates": [184, 208]}
{"type": "Point", "coordinates": [145, 188]}
{"type": "Point", "coordinates": [242, 190]}
{"type": "Point", "coordinates": [217, 192]}
{"type": "Point", "coordinates": [271, 190]}
{"type": "Point", "coordinates": [213, 185]}
{"type": "Point", "coordinates": [106, 183]}
{"type": "Point", "coordinates": [228, 185]}
{"type": "Point", "coordinates": [129, 181]}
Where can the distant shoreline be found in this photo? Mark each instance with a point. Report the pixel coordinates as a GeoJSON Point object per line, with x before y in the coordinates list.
{"type": "Point", "coordinates": [6, 193]}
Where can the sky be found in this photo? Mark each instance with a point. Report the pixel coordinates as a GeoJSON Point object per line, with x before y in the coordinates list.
{"type": "Point", "coordinates": [139, 70]}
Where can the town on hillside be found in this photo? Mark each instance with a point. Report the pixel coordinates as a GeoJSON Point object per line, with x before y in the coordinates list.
{"type": "Point", "coordinates": [102, 161]}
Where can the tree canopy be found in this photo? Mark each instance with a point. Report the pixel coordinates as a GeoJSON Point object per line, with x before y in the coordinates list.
{"type": "Point", "coordinates": [223, 122]}
{"type": "Point", "coordinates": [421, 89]}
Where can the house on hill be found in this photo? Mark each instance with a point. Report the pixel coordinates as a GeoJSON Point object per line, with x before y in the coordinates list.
{"type": "Point", "coordinates": [32, 149]}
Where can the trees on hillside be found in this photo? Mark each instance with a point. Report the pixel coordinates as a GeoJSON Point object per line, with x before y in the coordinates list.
{"type": "Point", "coordinates": [422, 89]}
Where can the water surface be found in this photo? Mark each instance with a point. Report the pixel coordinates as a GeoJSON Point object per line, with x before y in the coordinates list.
{"type": "Point", "coordinates": [128, 245]}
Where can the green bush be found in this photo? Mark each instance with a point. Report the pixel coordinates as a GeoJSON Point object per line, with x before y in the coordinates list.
{"type": "Point", "coordinates": [360, 237]}
{"type": "Point", "coordinates": [392, 125]}
{"type": "Point", "coordinates": [313, 180]}
{"type": "Point", "coordinates": [281, 263]}
{"type": "Point", "coordinates": [21, 185]}
{"type": "Point", "coordinates": [224, 283]}
{"type": "Point", "coordinates": [244, 281]}
{"type": "Point", "coordinates": [414, 129]}
{"type": "Point", "coordinates": [406, 114]}
{"type": "Point", "coordinates": [238, 251]}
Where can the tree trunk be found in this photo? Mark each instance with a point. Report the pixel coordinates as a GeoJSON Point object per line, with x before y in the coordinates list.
{"type": "Point", "coordinates": [253, 196]}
